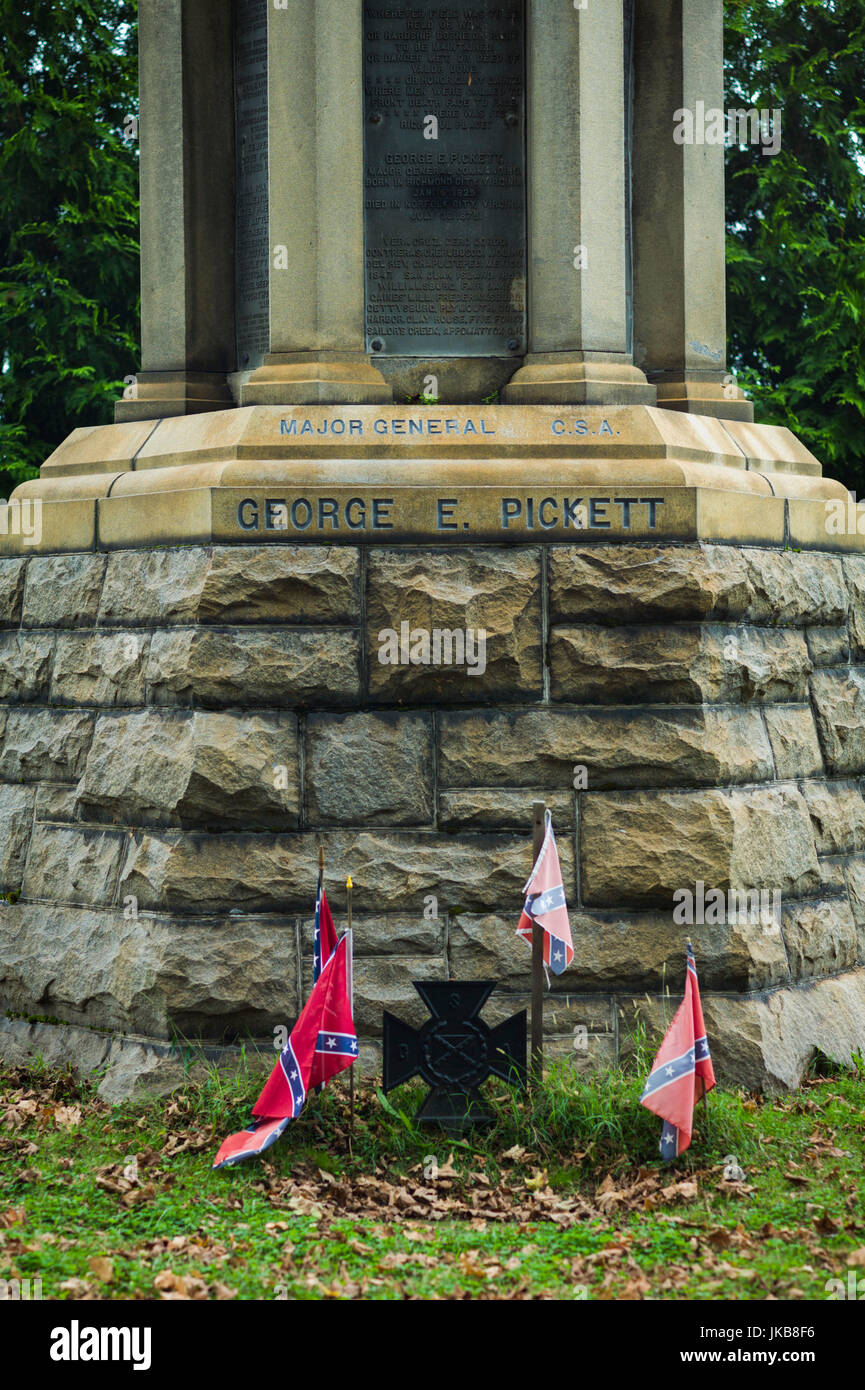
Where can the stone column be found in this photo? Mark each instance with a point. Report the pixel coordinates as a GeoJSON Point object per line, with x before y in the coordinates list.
{"type": "Point", "coordinates": [315, 173]}
{"type": "Point", "coordinates": [579, 332]}
{"type": "Point", "coordinates": [187, 209]}
{"type": "Point", "coordinates": [680, 335]}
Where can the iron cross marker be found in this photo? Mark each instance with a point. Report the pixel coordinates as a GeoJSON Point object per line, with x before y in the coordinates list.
{"type": "Point", "coordinates": [454, 1052]}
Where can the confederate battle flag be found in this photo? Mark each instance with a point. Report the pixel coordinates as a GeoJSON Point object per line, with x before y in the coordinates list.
{"type": "Point", "coordinates": [683, 1060]}
{"type": "Point", "coordinates": [323, 1042]}
{"type": "Point", "coordinates": [545, 905]}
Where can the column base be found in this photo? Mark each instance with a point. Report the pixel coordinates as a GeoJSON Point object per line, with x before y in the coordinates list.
{"type": "Point", "coordinates": [321, 378]}
{"type": "Point", "coordinates": [556, 378]}
{"type": "Point", "coordinates": [716, 395]}
{"type": "Point", "coordinates": [163, 394]}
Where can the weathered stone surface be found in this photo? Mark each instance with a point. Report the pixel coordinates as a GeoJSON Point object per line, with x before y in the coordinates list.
{"type": "Point", "coordinates": [786, 586]}
{"type": "Point", "coordinates": [854, 875]}
{"type": "Point", "coordinates": [624, 747]}
{"type": "Point", "coordinates": [63, 590]}
{"type": "Point", "coordinates": [237, 584]}
{"type": "Point", "coordinates": [497, 592]}
{"type": "Point", "coordinates": [391, 934]}
{"type": "Point", "coordinates": [45, 744]}
{"type": "Point", "coordinates": [25, 665]}
{"type": "Point", "coordinates": [563, 1011]}
{"type": "Point", "coordinates": [690, 663]}
{"type": "Point", "coordinates": [73, 864]}
{"type": "Point", "coordinates": [639, 847]}
{"type": "Point", "coordinates": [828, 646]}
{"type": "Point", "coordinates": [485, 808]}
{"type": "Point", "coordinates": [820, 938]}
{"type": "Point", "coordinates": [832, 880]}
{"type": "Point", "coordinates": [11, 591]}
{"type": "Point", "coordinates": [56, 801]}
{"type": "Point", "coordinates": [16, 821]}
{"type": "Point", "coordinates": [625, 584]}
{"type": "Point", "coordinates": [272, 668]}
{"type": "Point", "coordinates": [154, 586]}
{"type": "Point", "coordinates": [364, 769]}
{"type": "Point", "coordinates": [768, 1043]}
{"type": "Point", "coordinates": [385, 982]}
{"type": "Point", "coordinates": [839, 707]}
{"type": "Point", "coordinates": [100, 668]}
{"type": "Point", "coordinates": [854, 573]}
{"type": "Point", "coordinates": [642, 950]}
{"type": "Point", "coordinates": [837, 814]}
{"type": "Point", "coordinates": [213, 979]}
{"type": "Point", "coordinates": [392, 871]}
{"type": "Point", "coordinates": [282, 583]}
{"type": "Point", "coordinates": [793, 736]}
{"type": "Point", "coordinates": [204, 768]}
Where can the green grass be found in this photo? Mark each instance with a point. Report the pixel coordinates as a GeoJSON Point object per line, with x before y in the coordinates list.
{"type": "Point", "coordinates": [564, 1196]}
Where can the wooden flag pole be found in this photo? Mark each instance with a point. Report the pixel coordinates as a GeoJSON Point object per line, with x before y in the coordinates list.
{"type": "Point", "coordinates": [348, 887]}
{"type": "Point", "coordinates": [539, 813]}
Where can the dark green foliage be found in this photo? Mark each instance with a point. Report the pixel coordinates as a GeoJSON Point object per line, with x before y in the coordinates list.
{"type": "Point", "coordinates": [68, 221]}
{"type": "Point", "coordinates": [796, 223]}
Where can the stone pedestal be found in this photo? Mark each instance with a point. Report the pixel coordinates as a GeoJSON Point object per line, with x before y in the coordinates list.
{"type": "Point", "coordinates": [184, 726]}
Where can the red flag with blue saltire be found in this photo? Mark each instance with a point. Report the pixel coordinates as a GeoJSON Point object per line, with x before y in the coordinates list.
{"type": "Point", "coordinates": [545, 905]}
{"type": "Point", "coordinates": [324, 932]}
{"type": "Point", "coordinates": [682, 1072]}
{"type": "Point", "coordinates": [323, 1043]}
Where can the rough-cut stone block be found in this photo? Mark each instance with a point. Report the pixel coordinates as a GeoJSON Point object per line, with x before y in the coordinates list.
{"type": "Point", "coordinates": [233, 584]}
{"type": "Point", "coordinates": [56, 801]}
{"type": "Point", "coordinates": [486, 808]}
{"type": "Point", "coordinates": [170, 767]}
{"type": "Point", "coordinates": [392, 871]}
{"type": "Point", "coordinates": [832, 880]}
{"type": "Point", "coordinates": [837, 814]}
{"type": "Point", "coordinates": [385, 982]}
{"type": "Point", "coordinates": [854, 876]}
{"type": "Point", "coordinates": [153, 586]}
{"type": "Point", "coordinates": [25, 665]}
{"type": "Point", "coordinates": [391, 934]}
{"type": "Point", "coordinates": [820, 938]}
{"type": "Point", "coordinates": [793, 736]}
{"type": "Point", "coordinates": [270, 668]}
{"type": "Point", "coordinates": [11, 591]}
{"type": "Point", "coordinates": [63, 590]}
{"type": "Point", "coordinates": [73, 864]}
{"type": "Point", "coordinates": [100, 668]}
{"type": "Point", "coordinates": [626, 584]}
{"type": "Point", "coordinates": [767, 1043]}
{"type": "Point", "coordinates": [16, 822]}
{"type": "Point", "coordinates": [563, 1011]}
{"type": "Point", "coordinates": [828, 646]}
{"type": "Point", "coordinates": [639, 847]}
{"type": "Point", "coordinates": [45, 744]}
{"type": "Point", "coordinates": [214, 979]}
{"type": "Point", "coordinates": [839, 707]}
{"type": "Point", "coordinates": [640, 951]}
{"type": "Point", "coordinates": [684, 663]}
{"type": "Point", "coordinates": [367, 769]}
{"type": "Point", "coordinates": [619, 747]}
{"type": "Point", "coordinates": [282, 583]}
{"type": "Point", "coordinates": [497, 592]}
{"type": "Point", "coordinates": [854, 573]}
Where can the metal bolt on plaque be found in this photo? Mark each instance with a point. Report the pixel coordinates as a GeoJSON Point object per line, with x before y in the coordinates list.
{"type": "Point", "coordinates": [454, 1052]}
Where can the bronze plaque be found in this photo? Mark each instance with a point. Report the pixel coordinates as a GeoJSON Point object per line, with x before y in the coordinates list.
{"type": "Point", "coordinates": [445, 178]}
{"type": "Point", "coordinates": [252, 290]}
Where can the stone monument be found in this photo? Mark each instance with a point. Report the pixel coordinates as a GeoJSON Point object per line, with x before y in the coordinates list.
{"type": "Point", "coordinates": [433, 497]}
